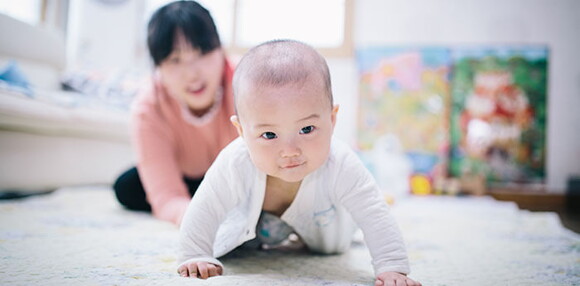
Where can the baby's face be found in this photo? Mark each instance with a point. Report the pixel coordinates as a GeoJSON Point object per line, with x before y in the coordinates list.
{"type": "Point", "coordinates": [287, 128]}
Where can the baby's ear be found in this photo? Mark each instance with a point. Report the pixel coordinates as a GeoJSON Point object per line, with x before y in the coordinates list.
{"type": "Point", "coordinates": [333, 114]}
{"type": "Point", "coordinates": [236, 122]}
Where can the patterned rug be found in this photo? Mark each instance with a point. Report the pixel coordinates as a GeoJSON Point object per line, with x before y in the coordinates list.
{"type": "Point", "coordinates": [81, 236]}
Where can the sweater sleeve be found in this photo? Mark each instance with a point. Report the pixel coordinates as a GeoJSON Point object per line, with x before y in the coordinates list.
{"type": "Point", "coordinates": [157, 164]}
{"type": "Point", "coordinates": [361, 197]}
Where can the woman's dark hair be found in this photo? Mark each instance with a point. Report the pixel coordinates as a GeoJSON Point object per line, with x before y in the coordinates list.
{"type": "Point", "coordinates": [188, 17]}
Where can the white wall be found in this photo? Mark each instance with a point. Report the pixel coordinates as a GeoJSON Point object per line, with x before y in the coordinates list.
{"type": "Point", "coordinates": [344, 77]}
{"type": "Point", "coordinates": [104, 35]}
{"type": "Point", "coordinates": [456, 22]}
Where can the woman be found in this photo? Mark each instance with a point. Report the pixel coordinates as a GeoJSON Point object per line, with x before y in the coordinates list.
{"type": "Point", "coordinates": [180, 121]}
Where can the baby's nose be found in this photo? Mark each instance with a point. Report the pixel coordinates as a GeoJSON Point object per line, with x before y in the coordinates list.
{"type": "Point", "coordinates": [290, 149]}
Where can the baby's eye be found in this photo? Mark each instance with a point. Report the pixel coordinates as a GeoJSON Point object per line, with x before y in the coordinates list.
{"type": "Point", "coordinates": [307, 129]}
{"type": "Point", "coordinates": [269, 135]}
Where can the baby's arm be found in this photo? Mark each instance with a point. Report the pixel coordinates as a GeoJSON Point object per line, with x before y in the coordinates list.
{"type": "Point", "coordinates": [200, 269]}
{"type": "Point", "coordinates": [358, 193]}
{"type": "Point", "coordinates": [199, 226]}
{"type": "Point", "coordinates": [381, 233]}
{"type": "Point", "coordinates": [395, 278]}
{"type": "Point", "coordinates": [205, 213]}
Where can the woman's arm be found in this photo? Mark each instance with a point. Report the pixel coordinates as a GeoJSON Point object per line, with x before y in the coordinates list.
{"type": "Point", "coordinates": [157, 164]}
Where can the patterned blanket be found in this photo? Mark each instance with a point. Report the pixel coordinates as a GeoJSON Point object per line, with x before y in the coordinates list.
{"type": "Point", "coordinates": [81, 236]}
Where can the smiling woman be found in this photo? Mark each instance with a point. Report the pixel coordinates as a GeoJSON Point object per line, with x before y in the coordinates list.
{"type": "Point", "coordinates": [180, 120]}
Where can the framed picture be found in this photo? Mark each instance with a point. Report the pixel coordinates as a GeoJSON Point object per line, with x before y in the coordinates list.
{"type": "Point", "coordinates": [403, 94]}
{"type": "Point", "coordinates": [477, 114]}
{"type": "Point", "coordinates": [498, 113]}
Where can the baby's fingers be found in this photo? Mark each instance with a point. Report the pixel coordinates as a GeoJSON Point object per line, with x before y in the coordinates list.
{"type": "Point", "coordinates": [199, 269]}
{"type": "Point", "coordinates": [397, 282]}
{"type": "Point", "coordinates": [188, 270]}
{"type": "Point", "coordinates": [379, 282]}
{"type": "Point", "coordinates": [183, 272]}
{"type": "Point", "coordinates": [206, 270]}
{"type": "Point", "coordinates": [193, 270]}
{"type": "Point", "coordinates": [202, 271]}
{"type": "Point", "coordinates": [214, 270]}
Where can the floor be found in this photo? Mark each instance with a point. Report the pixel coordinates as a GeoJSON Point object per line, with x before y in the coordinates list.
{"type": "Point", "coordinates": [569, 213]}
{"type": "Point", "coordinates": [82, 236]}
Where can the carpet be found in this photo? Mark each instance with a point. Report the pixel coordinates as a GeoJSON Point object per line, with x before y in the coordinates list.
{"type": "Point", "coordinates": [81, 236]}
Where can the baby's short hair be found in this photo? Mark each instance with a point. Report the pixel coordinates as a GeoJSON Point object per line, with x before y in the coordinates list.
{"type": "Point", "coordinates": [280, 62]}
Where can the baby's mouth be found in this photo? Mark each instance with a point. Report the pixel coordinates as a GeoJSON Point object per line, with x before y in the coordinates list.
{"type": "Point", "coordinates": [293, 165]}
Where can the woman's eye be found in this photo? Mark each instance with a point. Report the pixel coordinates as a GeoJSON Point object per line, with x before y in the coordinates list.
{"type": "Point", "coordinates": [307, 129]}
{"type": "Point", "coordinates": [269, 135]}
{"type": "Point", "coordinates": [173, 60]}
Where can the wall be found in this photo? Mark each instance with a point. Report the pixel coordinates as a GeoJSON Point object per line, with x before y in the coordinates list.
{"type": "Point", "coordinates": [104, 35]}
{"type": "Point", "coordinates": [457, 22]}
{"type": "Point", "coordinates": [116, 41]}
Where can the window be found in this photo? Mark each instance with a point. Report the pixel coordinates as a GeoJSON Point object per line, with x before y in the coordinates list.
{"type": "Point", "coordinates": [24, 10]}
{"type": "Point", "coordinates": [324, 24]}
{"type": "Point", "coordinates": [242, 24]}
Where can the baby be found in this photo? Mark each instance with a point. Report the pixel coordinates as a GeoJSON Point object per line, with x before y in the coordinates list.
{"type": "Point", "coordinates": [286, 172]}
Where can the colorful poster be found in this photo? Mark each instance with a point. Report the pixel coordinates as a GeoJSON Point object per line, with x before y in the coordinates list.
{"type": "Point", "coordinates": [498, 113]}
{"type": "Point", "coordinates": [403, 95]}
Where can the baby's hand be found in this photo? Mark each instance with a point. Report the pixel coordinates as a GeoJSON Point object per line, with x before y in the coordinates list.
{"type": "Point", "coordinates": [395, 278]}
{"type": "Point", "coordinates": [199, 269]}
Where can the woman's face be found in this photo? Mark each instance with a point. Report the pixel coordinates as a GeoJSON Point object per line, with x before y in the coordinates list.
{"type": "Point", "coordinates": [192, 77]}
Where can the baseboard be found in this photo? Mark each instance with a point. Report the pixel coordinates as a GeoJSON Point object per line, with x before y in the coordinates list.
{"type": "Point", "coordinates": [531, 200]}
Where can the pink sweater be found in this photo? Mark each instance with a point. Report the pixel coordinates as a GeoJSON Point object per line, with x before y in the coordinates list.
{"type": "Point", "coordinates": [168, 146]}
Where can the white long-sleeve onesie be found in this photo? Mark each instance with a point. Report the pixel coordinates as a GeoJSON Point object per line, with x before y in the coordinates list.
{"type": "Point", "coordinates": [330, 204]}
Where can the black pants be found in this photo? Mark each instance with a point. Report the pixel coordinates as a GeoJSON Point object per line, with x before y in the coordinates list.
{"type": "Point", "coordinates": [131, 194]}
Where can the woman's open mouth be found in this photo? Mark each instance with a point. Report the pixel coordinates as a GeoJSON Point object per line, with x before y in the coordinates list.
{"type": "Point", "coordinates": [197, 91]}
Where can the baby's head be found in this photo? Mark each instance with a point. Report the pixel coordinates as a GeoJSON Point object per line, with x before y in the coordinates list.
{"type": "Point", "coordinates": [281, 62]}
{"type": "Point", "coordinates": [284, 107]}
